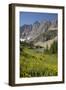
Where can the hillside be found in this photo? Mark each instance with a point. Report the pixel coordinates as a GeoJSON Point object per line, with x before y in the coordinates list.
{"type": "Point", "coordinates": [46, 43]}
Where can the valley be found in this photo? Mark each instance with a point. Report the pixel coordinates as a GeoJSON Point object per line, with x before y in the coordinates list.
{"type": "Point", "coordinates": [39, 49]}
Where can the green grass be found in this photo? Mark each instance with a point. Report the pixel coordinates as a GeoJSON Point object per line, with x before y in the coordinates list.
{"type": "Point", "coordinates": [36, 64]}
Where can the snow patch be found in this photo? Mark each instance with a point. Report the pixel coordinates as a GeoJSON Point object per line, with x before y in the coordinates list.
{"type": "Point", "coordinates": [22, 40]}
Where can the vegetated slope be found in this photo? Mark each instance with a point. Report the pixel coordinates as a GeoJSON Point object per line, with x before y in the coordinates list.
{"type": "Point", "coordinates": [37, 64]}
{"type": "Point", "coordinates": [46, 43]}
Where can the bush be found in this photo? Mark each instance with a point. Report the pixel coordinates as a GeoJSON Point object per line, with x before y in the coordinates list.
{"type": "Point", "coordinates": [46, 50]}
{"type": "Point", "coordinates": [53, 48]}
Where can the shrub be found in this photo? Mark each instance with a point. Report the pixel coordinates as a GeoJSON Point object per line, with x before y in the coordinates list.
{"type": "Point", "coordinates": [53, 48]}
{"type": "Point", "coordinates": [46, 50]}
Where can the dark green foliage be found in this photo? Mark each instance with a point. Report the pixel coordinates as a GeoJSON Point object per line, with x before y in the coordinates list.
{"type": "Point", "coordinates": [54, 47]}
{"type": "Point", "coordinates": [46, 50]}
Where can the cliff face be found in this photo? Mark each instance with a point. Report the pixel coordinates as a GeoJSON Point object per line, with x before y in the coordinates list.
{"type": "Point", "coordinates": [25, 30]}
{"type": "Point", "coordinates": [39, 33]}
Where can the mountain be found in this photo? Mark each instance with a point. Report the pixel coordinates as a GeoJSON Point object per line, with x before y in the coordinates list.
{"type": "Point", "coordinates": [24, 30]}
{"type": "Point", "coordinates": [40, 30]}
{"type": "Point", "coordinates": [40, 33]}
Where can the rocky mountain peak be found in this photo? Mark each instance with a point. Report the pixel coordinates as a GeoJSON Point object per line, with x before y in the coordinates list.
{"type": "Point", "coordinates": [39, 31]}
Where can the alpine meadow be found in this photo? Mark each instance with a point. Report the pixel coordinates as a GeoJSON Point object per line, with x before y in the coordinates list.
{"type": "Point", "coordinates": [38, 44]}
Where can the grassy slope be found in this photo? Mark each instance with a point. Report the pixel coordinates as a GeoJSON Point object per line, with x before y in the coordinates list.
{"type": "Point", "coordinates": [34, 63]}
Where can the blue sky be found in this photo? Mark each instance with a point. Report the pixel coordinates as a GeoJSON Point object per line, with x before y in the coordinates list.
{"type": "Point", "coordinates": [31, 17]}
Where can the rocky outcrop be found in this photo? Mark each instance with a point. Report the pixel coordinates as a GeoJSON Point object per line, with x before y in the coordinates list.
{"type": "Point", "coordinates": [40, 33]}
